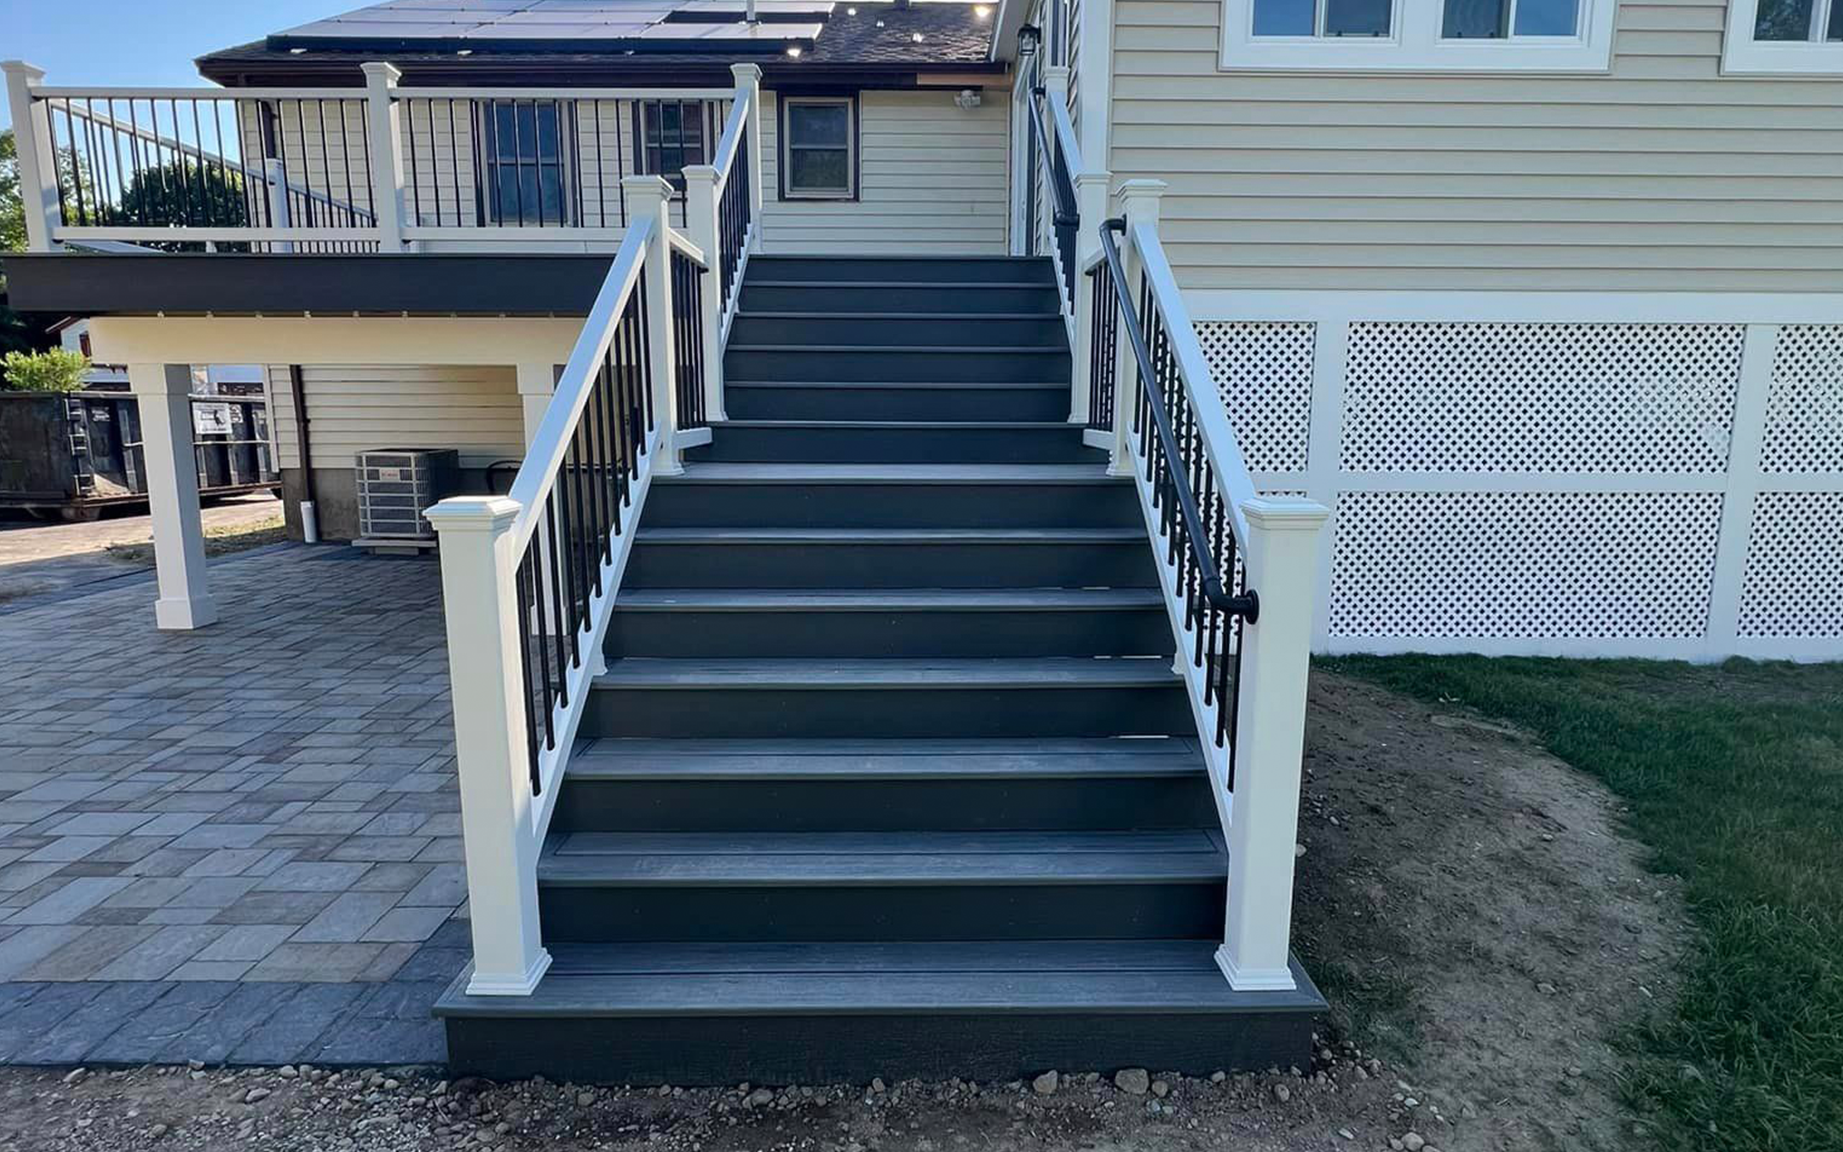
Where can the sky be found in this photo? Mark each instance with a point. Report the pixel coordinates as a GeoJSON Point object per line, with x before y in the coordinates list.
{"type": "Point", "coordinates": [140, 42]}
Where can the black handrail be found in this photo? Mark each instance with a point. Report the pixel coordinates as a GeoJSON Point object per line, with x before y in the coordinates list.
{"type": "Point", "coordinates": [1247, 605]}
{"type": "Point", "coordinates": [1065, 215]}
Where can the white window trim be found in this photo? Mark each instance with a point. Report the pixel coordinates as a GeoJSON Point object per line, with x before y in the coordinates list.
{"type": "Point", "coordinates": [1742, 55]}
{"type": "Point", "coordinates": [1416, 46]}
{"type": "Point", "coordinates": [850, 191]}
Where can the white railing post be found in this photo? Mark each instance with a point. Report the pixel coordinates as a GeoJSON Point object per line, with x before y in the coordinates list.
{"type": "Point", "coordinates": [275, 178]}
{"type": "Point", "coordinates": [1139, 205]}
{"type": "Point", "coordinates": [701, 227]}
{"type": "Point", "coordinates": [749, 87]}
{"type": "Point", "coordinates": [1091, 204]}
{"type": "Point", "coordinates": [649, 198]}
{"type": "Point", "coordinates": [384, 128]}
{"type": "Point", "coordinates": [1269, 741]}
{"type": "Point", "coordinates": [38, 163]}
{"type": "Point", "coordinates": [479, 559]}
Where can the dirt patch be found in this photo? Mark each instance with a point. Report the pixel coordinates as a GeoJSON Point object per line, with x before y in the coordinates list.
{"type": "Point", "coordinates": [1479, 925]}
{"type": "Point", "coordinates": [1473, 911]}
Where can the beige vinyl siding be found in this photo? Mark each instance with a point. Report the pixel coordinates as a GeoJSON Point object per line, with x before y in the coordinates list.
{"type": "Point", "coordinates": [932, 180]}
{"type": "Point", "coordinates": [1662, 175]}
{"type": "Point", "coordinates": [356, 408]}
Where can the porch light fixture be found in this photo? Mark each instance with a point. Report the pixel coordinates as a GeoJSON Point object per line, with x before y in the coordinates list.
{"type": "Point", "coordinates": [1028, 37]}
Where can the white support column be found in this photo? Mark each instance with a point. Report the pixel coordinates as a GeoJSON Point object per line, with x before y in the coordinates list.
{"type": "Point", "coordinates": [1091, 204]}
{"type": "Point", "coordinates": [537, 384]}
{"type": "Point", "coordinates": [701, 227]}
{"type": "Point", "coordinates": [1139, 205]}
{"type": "Point", "coordinates": [38, 164]}
{"type": "Point", "coordinates": [648, 197]}
{"type": "Point", "coordinates": [163, 393]}
{"type": "Point", "coordinates": [498, 826]}
{"type": "Point", "coordinates": [275, 176]}
{"type": "Point", "coordinates": [1021, 167]}
{"type": "Point", "coordinates": [749, 86]}
{"type": "Point", "coordinates": [384, 125]}
{"type": "Point", "coordinates": [1269, 741]}
{"type": "Point", "coordinates": [1094, 54]}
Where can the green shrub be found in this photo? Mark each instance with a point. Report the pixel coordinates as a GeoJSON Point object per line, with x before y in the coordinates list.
{"type": "Point", "coordinates": [58, 370]}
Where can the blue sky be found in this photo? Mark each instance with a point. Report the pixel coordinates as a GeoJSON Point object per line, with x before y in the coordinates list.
{"type": "Point", "coordinates": [140, 42]}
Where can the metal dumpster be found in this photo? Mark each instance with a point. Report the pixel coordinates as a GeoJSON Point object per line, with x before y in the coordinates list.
{"type": "Point", "coordinates": [76, 453]}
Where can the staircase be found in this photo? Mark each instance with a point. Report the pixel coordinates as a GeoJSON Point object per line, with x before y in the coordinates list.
{"type": "Point", "coordinates": [890, 773]}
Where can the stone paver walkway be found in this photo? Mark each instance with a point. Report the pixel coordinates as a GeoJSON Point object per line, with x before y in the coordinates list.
{"type": "Point", "coordinates": [39, 558]}
{"type": "Point", "coordinates": [236, 844]}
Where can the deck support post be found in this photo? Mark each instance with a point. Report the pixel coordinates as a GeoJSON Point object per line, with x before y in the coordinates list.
{"type": "Point", "coordinates": [479, 557]}
{"type": "Point", "coordinates": [1091, 206]}
{"type": "Point", "coordinates": [164, 398]}
{"type": "Point", "coordinates": [1139, 205]}
{"type": "Point", "coordinates": [648, 198]}
{"type": "Point", "coordinates": [701, 227]}
{"type": "Point", "coordinates": [386, 135]}
{"type": "Point", "coordinates": [37, 163]}
{"type": "Point", "coordinates": [275, 181]}
{"type": "Point", "coordinates": [1285, 536]}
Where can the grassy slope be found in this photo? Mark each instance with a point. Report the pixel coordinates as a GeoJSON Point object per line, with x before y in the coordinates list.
{"type": "Point", "coordinates": [1734, 777]}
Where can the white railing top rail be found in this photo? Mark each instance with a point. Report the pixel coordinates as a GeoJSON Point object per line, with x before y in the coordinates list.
{"type": "Point", "coordinates": [683, 243]}
{"type": "Point", "coordinates": [564, 94]}
{"type": "Point", "coordinates": [1213, 427]}
{"type": "Point", "coordinates": [1065, 137]}
{"type": "Point", "coordinates": [724, 158]}
{"type": "Point", "coordinates": [106, 92]}
{"type": "Point", "coordinates": [557, 431]}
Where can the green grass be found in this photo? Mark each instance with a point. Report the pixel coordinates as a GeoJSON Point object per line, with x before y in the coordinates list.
{"type": "Point", "coordinates": [1734, 779]}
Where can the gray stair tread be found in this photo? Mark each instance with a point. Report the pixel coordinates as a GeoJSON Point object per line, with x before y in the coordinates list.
{"type": "Point", "coordinates": [937, 385]}
{"type": "Point", "coordinates": [892, 600]}
{"type": "Point", "coordinates": [957, 285]}
{"type": "Point", "coordinates": [1041, 672]}
{"type": "Point", "coordinates": [930, 425]}
{"type": "Point", "coordinates": [1095, 473]}
{"type": "Point", "coordinates": [905, 349]}
{"type": "Point", "coordinates": [731, 535]}
{"type": "Point", "coordinates": [787, 759]}
{"type": "Point", "coordinates": [1023, 977]}
{"type": "Point", "coordinates": [834, 314]}
{"type": "Point", "coordinates": [832, 859]}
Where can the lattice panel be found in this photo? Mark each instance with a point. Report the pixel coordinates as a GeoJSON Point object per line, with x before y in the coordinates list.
{"type": "Point", "coordinates": [1523, 565]}
{"type": "Point", "coordinates": [1264, 370]}
{"type": "Point", "coordinates": [1793, 585]}
{"type": "Point", "coordinates": [1804, 408]}
{"type": "Point", "coordinates": [1543, 398]}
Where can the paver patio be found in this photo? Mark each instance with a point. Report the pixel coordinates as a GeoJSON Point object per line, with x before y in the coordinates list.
{"type": "Point", "coordinates": [237, 844]}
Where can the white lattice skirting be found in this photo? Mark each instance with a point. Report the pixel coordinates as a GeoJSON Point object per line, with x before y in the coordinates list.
{"type": "Point", "coordinates": [1542, 474]}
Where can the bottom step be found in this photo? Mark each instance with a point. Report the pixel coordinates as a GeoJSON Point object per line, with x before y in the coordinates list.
{"type": "Point", "coordinates": [691, 1014]}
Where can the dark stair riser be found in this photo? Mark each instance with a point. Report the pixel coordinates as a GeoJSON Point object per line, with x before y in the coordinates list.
{"type": "Point", "coordinates": [916, 298]}
{"type": "Point", "coordinates": [990, 803]}
{"type": "Point", "coordinates": [822, 444]}
{"type": "Point", "coordinates": [809, 564]}
{"type": "Point", "coordinates": [902, 365]}
{"type": "Point", "coordinates": [817, 1049]}
{"type": "Point", "coordinates": [847, 271]}
{"type": "Point", "coordinates": [1161, 910]}
{"type": "Point", "coordinates": [882, 712]}
{"type": "Point", "coordinates": [689, 632]}
{"type": "Point", "coordinates": [879, 504]}
{"type": "Point", "coordinates": [784, 401]}
{"type": "Point", "coordinates": [959, 330]}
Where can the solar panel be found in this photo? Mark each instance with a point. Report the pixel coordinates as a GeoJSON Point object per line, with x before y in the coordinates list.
{"type": "Point", "coordinates": [586, 20]}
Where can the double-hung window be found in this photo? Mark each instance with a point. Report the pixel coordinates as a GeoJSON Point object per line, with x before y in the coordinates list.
{"type": "Point", "coordinates": [1766, 36]}
{"type": "Point", "coordinates": [1419, 35]}
{"type": "Point", "coordinates": [525, 169]}
{"type": "Point", "coordinates": [818, 148]}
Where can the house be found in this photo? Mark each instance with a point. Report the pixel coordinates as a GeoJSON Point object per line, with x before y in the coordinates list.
{"type": "Point", "coordinates": [891, 651]}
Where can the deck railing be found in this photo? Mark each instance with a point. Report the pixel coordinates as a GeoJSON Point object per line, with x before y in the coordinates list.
{"type": "Point", "coordinates": [379, 168]}
{"type": "Point", "coordinates": [1054, 219]}
{"type": "Point", "coordinates": [529, 579]}
{"type": "Point", "coordinates": [1238, 571]}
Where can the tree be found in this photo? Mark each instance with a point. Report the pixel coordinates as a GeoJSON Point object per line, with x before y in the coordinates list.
{"type": "Point", "coordinates": [58, 370]}
{"type": "Point", "coordinates": [183, 192]}
{"type": "Point", "coordinates": [12, 207]}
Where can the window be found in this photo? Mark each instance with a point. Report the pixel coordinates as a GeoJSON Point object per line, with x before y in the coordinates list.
{"type": "Point", "coordinates": [672, 135]}
{"type": "Point", "coordinates": [818, 148]}
{"type": "Point", "coordinates": [1419, 35]}
{"type": "Point", "coordinates": [1784, 36]}
{"type": "Point", "coordinates": [524, 177]}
